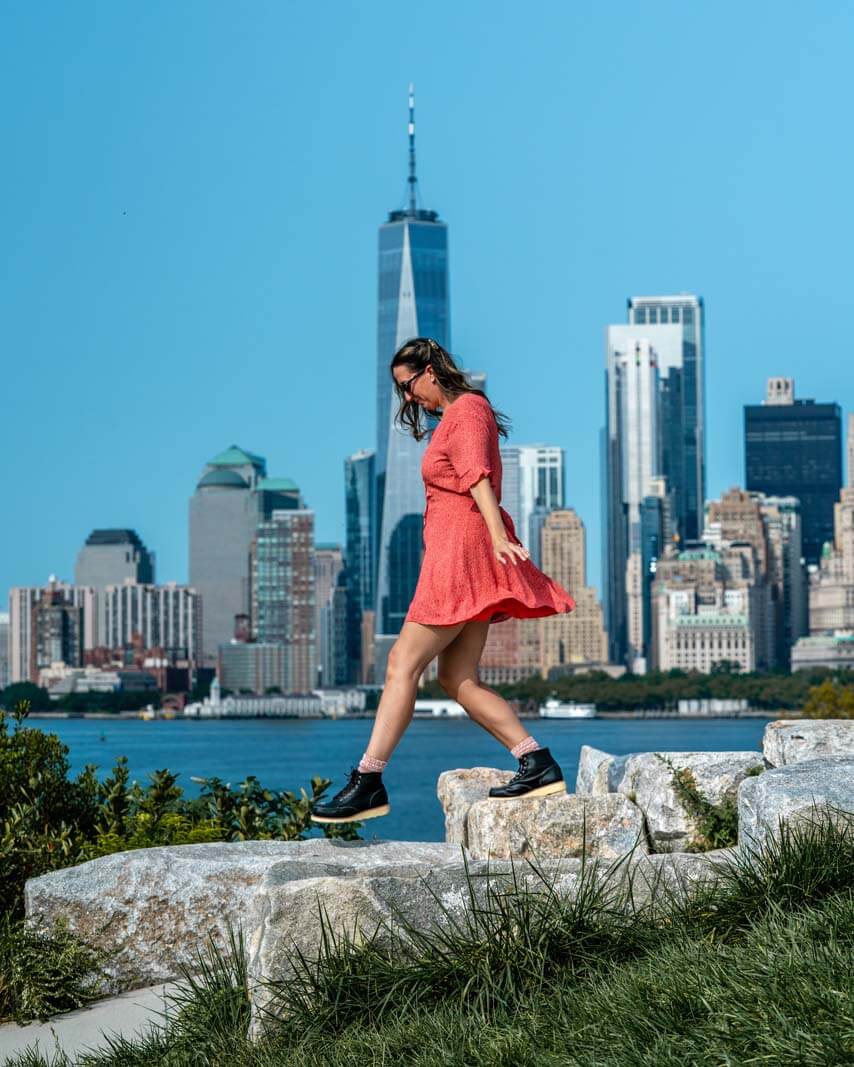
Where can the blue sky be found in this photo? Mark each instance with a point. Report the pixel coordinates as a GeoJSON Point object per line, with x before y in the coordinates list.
{"type": "Point", "coordinates": [190, 197]}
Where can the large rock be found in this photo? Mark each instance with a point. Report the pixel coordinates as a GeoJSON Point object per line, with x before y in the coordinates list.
{"type": "Point", "coordinates": [554, 826]}
{"type": "Point", "coordinates": [799, 790]}
{"type": "Point", "coordinates": [152, 909]}
{"type": "Point", "coordinates": [646, 779]}
{"type": "Point", "coordinates": [792, 740]}
{"type": "Point", "coordinates": [458, 790]}
{"type": "Point", "coordinates": [368, 904]}
{"type": "Point", "coordinates": [598, 772]}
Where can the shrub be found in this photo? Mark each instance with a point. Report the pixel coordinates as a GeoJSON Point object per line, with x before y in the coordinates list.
{"type": "Point", "coordinates": [716, 824]}
{"type": "Point", "coordinates": [830, 700]}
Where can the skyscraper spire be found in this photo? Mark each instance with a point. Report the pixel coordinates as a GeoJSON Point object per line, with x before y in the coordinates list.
{"type": "Point", "coordinates": [413, 181]}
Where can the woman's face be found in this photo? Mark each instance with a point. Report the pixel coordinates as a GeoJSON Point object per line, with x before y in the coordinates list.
{"type": "Point", "coordinates": [421, 387]}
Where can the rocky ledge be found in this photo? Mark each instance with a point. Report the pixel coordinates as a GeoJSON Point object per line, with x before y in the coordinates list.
{"type": "Point", "coordinates": [152, 910]}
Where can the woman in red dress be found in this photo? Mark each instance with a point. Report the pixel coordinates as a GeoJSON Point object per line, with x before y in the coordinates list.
{"type": "Point", "coordinates": [475, 571]}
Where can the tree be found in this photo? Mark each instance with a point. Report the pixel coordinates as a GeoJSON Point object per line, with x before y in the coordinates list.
{"type": "Point", "coordinates": [38, 698]}
{"type": "Point", "coordinates": [830, 700]}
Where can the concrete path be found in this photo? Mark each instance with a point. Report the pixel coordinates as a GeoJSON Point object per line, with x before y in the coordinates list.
{"type": "Point", "coordinates": [83, 1030]}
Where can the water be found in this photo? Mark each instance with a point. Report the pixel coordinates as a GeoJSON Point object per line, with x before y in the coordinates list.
{"type": "Point", "coordinates": [286, 753]}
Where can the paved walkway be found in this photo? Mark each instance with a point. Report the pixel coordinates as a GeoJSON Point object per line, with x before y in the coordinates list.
{"type": "Point", "coordinates": [83, 1030]}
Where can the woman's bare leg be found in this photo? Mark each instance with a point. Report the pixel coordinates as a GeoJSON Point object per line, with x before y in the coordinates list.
{"type": "Point", "coordinates": [459, 678]}
{"type": "Point", "coordinates": [416, 646]}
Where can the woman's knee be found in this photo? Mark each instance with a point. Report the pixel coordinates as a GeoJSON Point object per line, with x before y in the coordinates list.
{"type": "Point", "coordinates": [401, 665]}
{"type": "Point", "coordinates": [453, 683]}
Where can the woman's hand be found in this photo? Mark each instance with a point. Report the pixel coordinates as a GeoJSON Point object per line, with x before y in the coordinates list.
{"type": "Point", "coordinates": [503, 545]}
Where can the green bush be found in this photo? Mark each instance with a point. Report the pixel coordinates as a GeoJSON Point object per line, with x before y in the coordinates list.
{"type": "Point", "coordinates": [716, 824]}
{"type": "Point", "coordinates": [49, 820]}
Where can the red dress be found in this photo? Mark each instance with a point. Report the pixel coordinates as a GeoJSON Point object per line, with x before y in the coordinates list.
{"type": "Point", "coordinates": [460, 579]}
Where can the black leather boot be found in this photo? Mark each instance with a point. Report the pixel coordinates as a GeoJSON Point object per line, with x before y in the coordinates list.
{"type": "Point", "coordinates": [538, 776]}
{"type": "Point", "coordinates": [363, 797]}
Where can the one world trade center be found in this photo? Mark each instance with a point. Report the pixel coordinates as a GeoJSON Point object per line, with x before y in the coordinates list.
{"type": "Point", "coordinates": [413, 301]}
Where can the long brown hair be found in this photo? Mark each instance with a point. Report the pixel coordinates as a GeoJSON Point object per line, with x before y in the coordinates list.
{"type": "Point", "coordinates": [419, 354]}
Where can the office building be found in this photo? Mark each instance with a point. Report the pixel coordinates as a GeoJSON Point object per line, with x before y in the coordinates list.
{"type": "Point", "coordinates": [331, 621]}
{"type": "Point", "coordinates": [683, 403]}
{"type": "Point", "coordinates": [359, 510]}
{"type": "Point", "coordinates": [413, 301]}
{"type": "Point", "coordinates": [578, 637]}
{"type": "Point", "coordinates": [108, 558]}
{"type": "Point", "coordinates": [794, 448]}
{"type": "Point", "coordinates": [533, 484]}
{"type": "Point", "coordinates": [224, 514]}
{"type": "Point", "coordinates": [711, 606]}
{"type": "Point", "coordinates": [831, 588]}
{"type": "Point", "coordinates": [772, 526]}
{"type": "Point", "coordinates": [283, 593]}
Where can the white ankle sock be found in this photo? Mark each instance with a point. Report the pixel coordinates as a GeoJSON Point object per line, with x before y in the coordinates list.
{"type": "Point", "coordinates": [367, 764]}
{"type": "Point", "coordinates": [528, 745]}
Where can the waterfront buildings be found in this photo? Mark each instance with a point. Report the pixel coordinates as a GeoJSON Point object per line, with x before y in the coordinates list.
{"type": "Point", "coordinates": [109, 557]}
{"type": "Point", "coordinates": [835, 650]}
{"type": "Point", "coordinates": [794, 448]}
{"type": "Point", "coordinates": [413, 301]}
{"type": "Point", "coordinates": [255, 667]}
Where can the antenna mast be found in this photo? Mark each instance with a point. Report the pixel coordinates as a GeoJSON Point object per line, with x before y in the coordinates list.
{"type": "Point", "coordinates": [412, 179]}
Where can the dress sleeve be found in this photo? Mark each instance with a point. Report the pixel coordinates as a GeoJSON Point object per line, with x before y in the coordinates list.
{"type": "Point", "coordinates": [470, 446]}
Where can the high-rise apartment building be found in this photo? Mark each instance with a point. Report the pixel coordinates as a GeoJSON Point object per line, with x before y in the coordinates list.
{"type": "Point", "coordinates": [413, 301]}
{"type": "Point", "coordinates": [794, 448]}
{"type": "Point", "coordinates": [50, 624]}
{"type": "Point", "coordinates": [168, 617]}
{"type": "Point", "coordinates": [108, 558]}
{"type": "Point", "coordinates": [683, 401]}
{"type": "Point", "coordinates": [283, 597]}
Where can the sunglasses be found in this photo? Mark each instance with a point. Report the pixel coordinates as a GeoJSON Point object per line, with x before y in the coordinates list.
{"type": "Point", "coordinates": [406, 387]}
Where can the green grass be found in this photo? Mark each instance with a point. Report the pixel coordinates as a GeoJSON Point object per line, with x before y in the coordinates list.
{"type": "Point", "coordinates": [755, 969]}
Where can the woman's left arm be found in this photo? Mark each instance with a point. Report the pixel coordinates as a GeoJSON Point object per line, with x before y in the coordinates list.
{"type": "Point", "coordinates": [484, 497]}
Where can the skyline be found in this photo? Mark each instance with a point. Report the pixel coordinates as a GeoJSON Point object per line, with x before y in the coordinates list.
{"type": "Point", "coordinates": [156, 268]}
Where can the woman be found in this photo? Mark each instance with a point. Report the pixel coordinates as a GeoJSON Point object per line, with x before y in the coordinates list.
{"type": "Point", "coordinates": [475, 571]}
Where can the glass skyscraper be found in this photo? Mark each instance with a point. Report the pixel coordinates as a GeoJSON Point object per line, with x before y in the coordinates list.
{"type": "Point", "coordinates": [683, 418]}
{"type": "Point", "coordinates": [794, 448]}
{"type": "Point", "coordinates": [413, 301]}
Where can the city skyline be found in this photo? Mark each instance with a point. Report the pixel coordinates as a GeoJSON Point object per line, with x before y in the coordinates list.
{"type": "Point", "coordinates": [185, 358]}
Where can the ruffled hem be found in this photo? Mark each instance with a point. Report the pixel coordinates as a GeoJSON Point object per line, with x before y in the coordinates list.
{"type": "Point", "coordinates": [502, 610]}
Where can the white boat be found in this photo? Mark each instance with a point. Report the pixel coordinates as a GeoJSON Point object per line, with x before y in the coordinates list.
{"type": "Point", "coordinates": [557, 709]}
